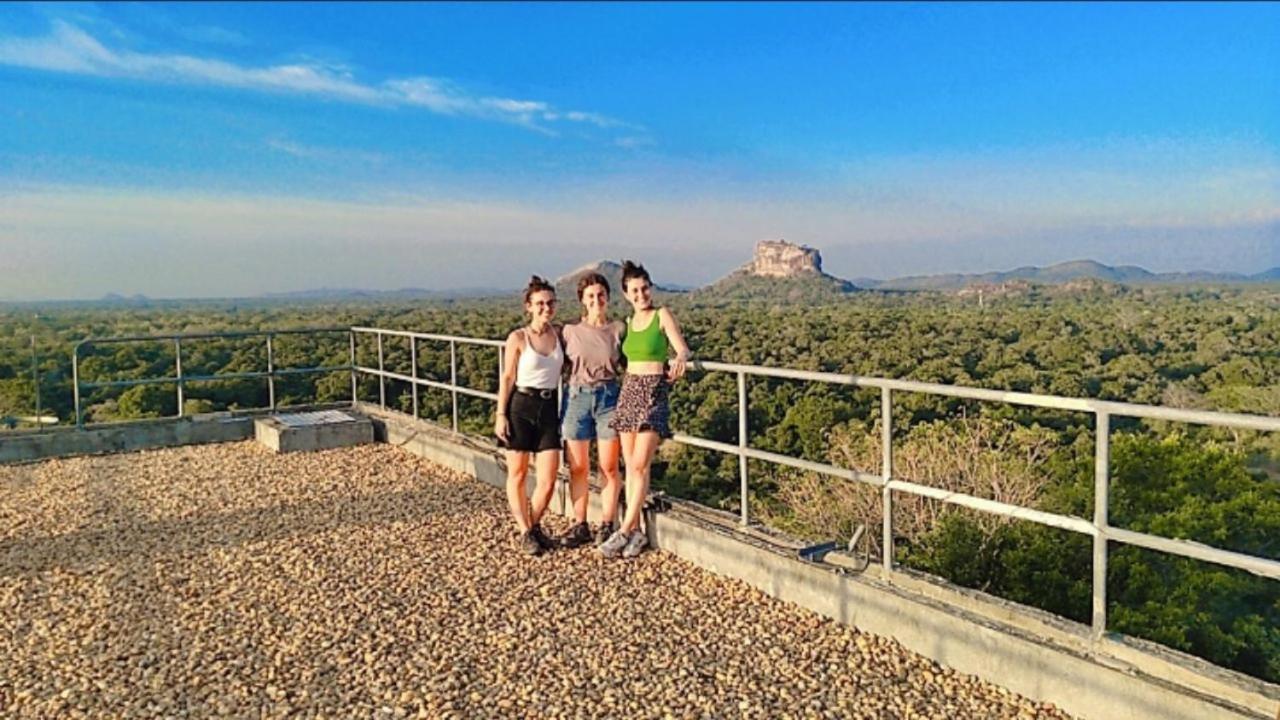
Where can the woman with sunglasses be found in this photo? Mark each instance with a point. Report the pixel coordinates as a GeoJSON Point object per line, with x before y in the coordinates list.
{"type": "Point", "coordinates": [527, 422]}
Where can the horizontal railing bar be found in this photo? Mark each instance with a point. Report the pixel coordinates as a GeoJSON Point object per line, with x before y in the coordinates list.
{"type": "Point", "coordinates": [1188, 548]}
{"type": "Point", "coordinates": [753, 453]}
{"type": "Point", "coordinates": [209, 378]}
{"type": "Point", "coordinates": [995, 507]}
{"type": "Point", "coordinates": [304, 371]}
{"type": "Point", "coordinates": [430, 336]}
{"type": "Point", "coordinates": [1055, 402]}
{"type": "Point", "coordinates": [429, 383]}
{"type": "Point", "coordinates": [128, 383]}
{"type": "Point", "coordinates": [209, 335]}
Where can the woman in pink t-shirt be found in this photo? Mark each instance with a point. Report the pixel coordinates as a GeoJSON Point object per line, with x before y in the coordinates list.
{"type": "Point", "coordinates": [592, 355]}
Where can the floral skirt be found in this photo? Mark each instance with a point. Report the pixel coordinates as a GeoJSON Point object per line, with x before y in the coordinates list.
{"type": "Point", "coordinates": [643, 405]}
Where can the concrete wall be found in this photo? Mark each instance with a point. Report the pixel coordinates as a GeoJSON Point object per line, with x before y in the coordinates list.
{"type": "Point", "coordinates": [130, 436]}
{"type": "Point", "coordinates": [1032, 653]}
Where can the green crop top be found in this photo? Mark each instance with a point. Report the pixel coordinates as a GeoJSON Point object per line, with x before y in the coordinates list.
{"type": "Point", "coordinates": [648, 345]}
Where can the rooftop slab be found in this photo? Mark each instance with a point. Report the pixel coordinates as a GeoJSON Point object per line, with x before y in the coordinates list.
{"type": "Point", "coordinates": [229, 580]}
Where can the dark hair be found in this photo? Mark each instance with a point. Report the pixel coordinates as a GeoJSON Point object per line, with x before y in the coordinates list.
{"type": "Point", "coordinates": [589, 279]}
{"type": "Point", "coordinates": [537, 285]}
{"type": "Point", "coordinates": [631, 271]}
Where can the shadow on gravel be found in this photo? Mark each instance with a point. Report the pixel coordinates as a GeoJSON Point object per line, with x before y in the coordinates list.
{"type": "Point", "coordinates": [84, 549]}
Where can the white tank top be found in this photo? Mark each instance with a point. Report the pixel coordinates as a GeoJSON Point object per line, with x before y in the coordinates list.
{"type": "Point", "coordinates": [534, 370]}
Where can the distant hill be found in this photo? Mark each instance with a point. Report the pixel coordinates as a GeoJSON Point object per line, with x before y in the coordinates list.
{"type": "Point", "coordinates": [400, 294]}
{"type": "Point", "coordinates": [1068, 272]}
{"type": "Point", "coordinates": [567, 284]}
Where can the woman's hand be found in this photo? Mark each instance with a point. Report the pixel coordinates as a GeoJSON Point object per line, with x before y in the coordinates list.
{"type": "Point", "coordinates": [500, 428]}
{"type": "Point", "coordinates": [676, 368]}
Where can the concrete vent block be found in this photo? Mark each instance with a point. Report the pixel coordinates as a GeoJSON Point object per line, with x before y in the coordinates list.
{"type": "Point", "coordinates": [324, 430]}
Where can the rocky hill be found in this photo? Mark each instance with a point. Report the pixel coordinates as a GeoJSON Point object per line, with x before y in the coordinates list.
{"type": "Point", "coordinates": [779, 271]}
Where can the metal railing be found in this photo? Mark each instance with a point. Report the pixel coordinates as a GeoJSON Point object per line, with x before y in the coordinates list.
{"type": "Point", "coordinates": [180, 380]}
{"type": "Point", "coordinates": [413, 379]}
{"type": "Point", "coordinates": [1098, 528]}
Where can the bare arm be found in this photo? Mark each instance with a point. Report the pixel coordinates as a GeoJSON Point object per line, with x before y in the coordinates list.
{"type": "Point", "coordinates": [672, 330]}
{"type": "Point", "coordinates": [507, 382]}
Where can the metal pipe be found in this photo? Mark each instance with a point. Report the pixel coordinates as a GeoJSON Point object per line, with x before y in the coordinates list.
{"type": "Point", "coordinates": [994, 507]}
{"type": "Point", "coordinates": [1201, 417]}
{"type": "Point", "coordinates": [432, 336]}
{"type": "Point", "coordinates": [177, 362]}
{"type": "Point", "coordinates": [271, 374]}
{"type": "Point", "coordinates": [35, 380]}
{"type": "Point", "coordinates": [742, 444]}
{"type": "Point", "coordinates": [382, 377]}
{"type": "Point", "coordinates": [1101, 504]}
{"type": "Point", "coordinates": [351, 336]}
{"type": "Point", "coordinates": [413, 360]}
{"type": "Point", "coordinates": [785, 460]}
{"type": "Point", "coordinates": [75, 384]}
{"type": "Point", "coordinates": [188, 379]}
{"type": "Point", "coordinates": [453, 380]}
{"type": "Point", "coordinates": [428, 383]}
{"type": "Point", "coordinates": [886, 474]}
{"type": "Point", "coordinates": [1261, 567]}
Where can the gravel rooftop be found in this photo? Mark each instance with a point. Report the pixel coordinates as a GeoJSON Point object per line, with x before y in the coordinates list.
{"type": "Point", "coordinates": [229, 581]}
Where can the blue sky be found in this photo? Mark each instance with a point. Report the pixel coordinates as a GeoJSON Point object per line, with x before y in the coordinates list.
{"type": "Point", "coordinates": [232, 149]}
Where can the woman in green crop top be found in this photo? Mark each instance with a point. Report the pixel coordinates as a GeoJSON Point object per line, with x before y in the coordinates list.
{"type": "Point", "coordinates": [641, 418]}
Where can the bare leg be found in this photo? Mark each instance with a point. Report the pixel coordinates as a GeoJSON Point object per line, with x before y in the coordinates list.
{"type": "Point", "coordinates": [548, 461]}
{"type": "Point", "coordinates": [579, 471]}
{"type": "Point", "coordinates": [608, 451]}
{"type": "Point", "coordinates": [517, 466]}
{"type": "Point", "coordinates": [638, 462]}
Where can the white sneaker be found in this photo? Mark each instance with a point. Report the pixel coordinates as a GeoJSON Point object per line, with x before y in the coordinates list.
{"type": "Point", "coordinates": [636, 544]}
{"type": "Point", "coordinates": [614, 545]}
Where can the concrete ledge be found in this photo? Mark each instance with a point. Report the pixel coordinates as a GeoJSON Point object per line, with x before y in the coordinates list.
{"type": "Point", "coordinates": [1030, 652]}
{"type": "Point", "coordinates": [308, 431]}
{"type": "Point", "coordinates": [130, 436]}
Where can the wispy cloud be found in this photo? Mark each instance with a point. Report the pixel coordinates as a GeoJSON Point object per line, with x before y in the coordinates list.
{"type": "Point", "coordinates": [69, 49]}
{"type": "Point", "coordinates": [327, 154]}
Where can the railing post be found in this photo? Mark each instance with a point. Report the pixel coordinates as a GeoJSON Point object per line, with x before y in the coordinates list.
{"type": "Point", "coordinates": [271, 374]}
{"type": "Point", "coordinates": [453, 380]}
{"type": "Point", "coordinates": [1101, 503]}
{"type": "Point", "coordinates": [413, 360]}
{"type": "Point", "coordinates": [35, 381]}
{"type": "Point", "coordinates": [382, 378]}
{"type": "Point", "coordinates": [355, 396]}
{"type": "Point", "coordinates": [886, 472]}
{"type": "Point", "coordinates": [742, 446]}
{"type": "Point", "coordinates": [75, 384]}
{"type": "Point", "coordinates": [177, 361]}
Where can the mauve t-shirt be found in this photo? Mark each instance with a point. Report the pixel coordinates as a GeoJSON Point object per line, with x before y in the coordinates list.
{"type": "Point", "coordinates": [593, 352]}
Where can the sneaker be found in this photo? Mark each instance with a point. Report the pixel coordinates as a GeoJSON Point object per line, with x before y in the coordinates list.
{"type": "Point", "coordinates": [529, 544]}
{"type": "Point", "coordinates": [541, 538]}
{"type": "Point", "coordinates": [605, 530]}
{"type": "Point", "coordinates": [611, 547]}
{"type": "Point", "coordinates": [636, 544]}
{"type": "Point", "coordinates": [576, 536]}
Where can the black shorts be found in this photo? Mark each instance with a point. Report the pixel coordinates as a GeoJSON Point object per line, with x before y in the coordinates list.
{"type": "Point", "coordinates": [533, 423]}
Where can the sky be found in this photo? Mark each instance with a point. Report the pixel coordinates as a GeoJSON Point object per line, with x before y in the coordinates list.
{"type": "Point", "coordinates": [216, 150]}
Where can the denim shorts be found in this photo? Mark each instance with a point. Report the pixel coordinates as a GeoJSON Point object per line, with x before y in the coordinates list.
{"type": "Point", "coordinates": [588, 410]}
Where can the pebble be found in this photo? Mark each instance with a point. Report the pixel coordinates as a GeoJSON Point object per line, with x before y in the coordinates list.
{"type": "Point", "coordinates": [228, 581]}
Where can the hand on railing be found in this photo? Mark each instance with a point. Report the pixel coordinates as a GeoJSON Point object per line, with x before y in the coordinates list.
{"type": "Point", "coordinates": [676, 368]}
